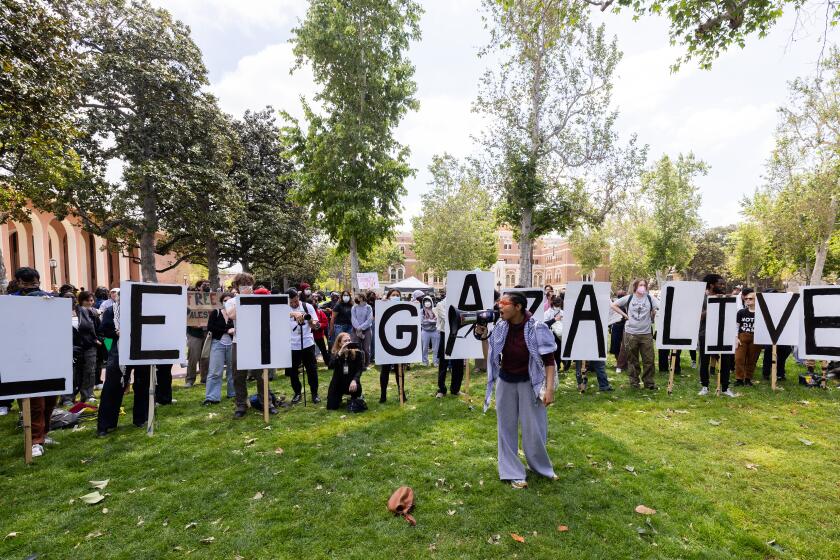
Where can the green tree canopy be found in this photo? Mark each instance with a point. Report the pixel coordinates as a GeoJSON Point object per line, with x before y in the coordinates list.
{"type": "Point", "coordinates": [456, 229]}
{"type": "Point", "coordinates": [350, 167]}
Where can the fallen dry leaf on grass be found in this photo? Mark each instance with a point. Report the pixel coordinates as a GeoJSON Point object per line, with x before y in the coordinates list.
{"type": "Point", "coordinates": [494, 539]}
{"type": "Point", "coordinates": [751, 466]}
{"type": "Point", "coordinates": [11, 535]}
{"type": "Point", "coordinates": [278, 451]}
{"type": "Point", "coordinates": [92, 498]}
{"type": "Point", "coordinates": [258, 496]}
{"type": "Point", "coordinates": [517, 538]}
{"type": "Point", "coordinates": [104, 510]}
{"type": "Point", "coordinates": [191, 525]}
{"type": "Point", "coordinates": [94, 535]}
{"type": "Point", "coordinates": [99, 484]}
{"type": "Point", "coordinates": [562, 528]}
{"type": "Point", "coordinates": [644, 510]}
{"type": "Point", "coordinates": [208, 540]}
{"type": "Point", "coordinates": [806, 441]}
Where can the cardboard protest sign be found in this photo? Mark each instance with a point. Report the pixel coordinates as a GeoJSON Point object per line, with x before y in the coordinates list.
{"type": "Point", "coordinates": [199, 307]}
{"type": "Point", "coordinates": [466, 291]}
{"type": "Point", "coordinates": [36, 347]}
{"type": "Point", "coordinates": [263, 332]}
{"type": "Point", "coordinates": [367, 280]}
{"type": "Point", "coordinates": [536, 300]}
{"type": "Point", "coordinates": [587, 306]}
{"type": "Point", "coordinates": [678, 318]}
{"type": "Point", "coordinates": [721, 324]}
{"type": "Point", "coordinates": [777, 318]}
{"type": "Point", "coordinates": [397, 338]}
{"type": "Point", "coordinates": [819, 325]}
{"type": "Point", "coordinates": [153, 323]}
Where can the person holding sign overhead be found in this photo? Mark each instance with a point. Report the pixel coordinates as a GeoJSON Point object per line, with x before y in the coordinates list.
{"type": "Point", "coordinates": [520, 363]}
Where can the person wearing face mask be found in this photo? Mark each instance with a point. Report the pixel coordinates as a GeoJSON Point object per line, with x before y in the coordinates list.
{"type": "Point", "coordinates": [385, 369]}
{"type": "Point", "coordinates": [89, 336]}
{"type": "Point", "coordinates": [428, 331]}
{"type": "Point", "coordinates": [371, 299]}
{"type": "Point", "coordinates": [221, 329]}
{"type": "Point", "coordinates": [746, 351]}
{"type": "Point", "coordinates": [715, 286]}
{"type": "Point", "coordinates": [305, 291]}
{"type": "Point", "coordinates": [342, 316]}
{"type": "Point", "coordinates": [361, 317]}
{"type": "Point", "coordinates": [444, 364]}
{"type": "Point", "coordinates": [638, 332]}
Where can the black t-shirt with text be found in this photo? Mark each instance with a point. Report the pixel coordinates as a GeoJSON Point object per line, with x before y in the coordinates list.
{"type": "Point", "coordinates": [746, 320]}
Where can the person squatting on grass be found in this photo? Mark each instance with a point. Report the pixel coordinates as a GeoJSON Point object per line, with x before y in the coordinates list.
{"type": "Point", "coordinates": [520, 363]}
{"type": "Point", "coordinates": [348, 363]}
{"type": "Point", "coordinates": [746, 351]}
{"type": "Point", "coordinates": [638, 332]}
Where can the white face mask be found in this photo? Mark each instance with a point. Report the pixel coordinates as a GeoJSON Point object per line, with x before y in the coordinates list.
{"type": "Point", "coordinates": [427, 304]}
{"type": "Point", "coordinates": [395, 298]}
{"type": "Point", "coordinates": [641, 290]}
{"type": "Point", "coordinates": [346, 299]}
{"type": "Point", "coordinates": [307, 292]}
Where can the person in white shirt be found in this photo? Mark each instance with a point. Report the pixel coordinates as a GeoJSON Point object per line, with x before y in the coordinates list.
{"type": "Point", "coordinates": [303, 346]}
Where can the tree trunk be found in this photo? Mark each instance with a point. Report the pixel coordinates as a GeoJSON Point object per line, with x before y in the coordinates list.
{"type": "Point", "coordinates": [212, 247]}
{"type": "Point", "coordinates": [147, 235]}
{"type": "Point", "coordinates": [660, 278]}
{"type": "Point", "coordinates": [354, 263]}
{"type": "Point", "coordinates": [822, 249]}
{"type": "Point", "coordinates": [525, 243]}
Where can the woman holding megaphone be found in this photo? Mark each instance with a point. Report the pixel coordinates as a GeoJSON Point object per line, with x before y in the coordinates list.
{"type": "Point", "coordinates": [520, 362]}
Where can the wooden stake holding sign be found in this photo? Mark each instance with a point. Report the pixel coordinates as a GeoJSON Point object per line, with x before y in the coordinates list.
{"type": "Point", "coordinates": [773, 369]}
{"type": "Point", "coordinates": [150, 423]}
{"type": "Point", "coordinates": [265, 393]}
{"type": "Point", "coordinates": [27, 431]}
{"type": "Point", "coordinates": [671, 369]}
{"type": "Point", "coordinates": [713, 366]}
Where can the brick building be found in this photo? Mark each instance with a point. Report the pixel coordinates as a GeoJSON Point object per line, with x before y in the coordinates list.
{"type": "Point", "coordinates": [552, 263]}
{"type": "Point", "coordinates": [62, 252]}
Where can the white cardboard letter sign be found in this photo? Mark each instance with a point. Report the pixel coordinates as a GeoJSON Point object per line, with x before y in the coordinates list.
{"type": "Point", "coordinates": [721, 324]}
{"type": "Point", "coordinates": [466, 291]}
{"type": "Point", "coordinates": [536, 300]}
{"type": "Point", "coordinates": [263, 333]}
{"type": "Point", "coordinates": [397, 332]}
{"type": "Point", "coordinates": [153, 323]}
{"type": "Point", "coordinates": [819, 330]}
{"type": "Point", "coordinates": [36, 347]}
{"type": "Point", "coordinates": [587, 306]}
{"type": "Point", "coordinates": [777, 318]}
{"type": "Point", "coordinates": [678, 319]}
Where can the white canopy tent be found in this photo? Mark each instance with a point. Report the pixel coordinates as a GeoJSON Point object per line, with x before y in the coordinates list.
{"type": "Point", "coordinates": [409, 285]}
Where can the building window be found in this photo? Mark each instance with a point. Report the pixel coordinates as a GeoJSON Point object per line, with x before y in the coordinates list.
{"type": "Point", "coordinates": [402, 249]}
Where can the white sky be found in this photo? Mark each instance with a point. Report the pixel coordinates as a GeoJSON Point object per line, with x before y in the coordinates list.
{"type": "Point", "coordinates": [726, 116]}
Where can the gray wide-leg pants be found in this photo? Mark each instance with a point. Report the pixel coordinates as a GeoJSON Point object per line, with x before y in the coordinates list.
{"type": "Point", "coordinates": [515, 403]}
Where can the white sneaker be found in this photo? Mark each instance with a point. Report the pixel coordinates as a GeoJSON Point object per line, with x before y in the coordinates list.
{"type": "Point", "coordinates": [703, 392]}
{"type": "Point", "coordinates": [91, 400]}
{"type": "Point", "coordinates": [97, 387]}
{"type": "Point", "coordinates": [693, 365]}
{"type": "Point", "coordinates": [519, 484]}
{"type": "Point", "coordinates": [618, 370]}
{"type": "Point", "coordinates": [4, 410]}
{"type": "Point", "coordinates": [729, 393]}
{"type": "Point", "coordinates": [50, 441]}
{"type": "Point", "coordinates": [439, 395]}
{"type": "Point", "coordinates": [37, 450]}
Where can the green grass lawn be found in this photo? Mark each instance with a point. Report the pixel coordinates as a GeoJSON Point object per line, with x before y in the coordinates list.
{"type": "Point", "coordinates": [324, 496]}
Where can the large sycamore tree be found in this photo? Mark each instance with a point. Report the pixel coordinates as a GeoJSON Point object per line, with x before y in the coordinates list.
{"type": "Point", "coordinates": [455, 230]}
{"type": "Point", "coordinates": [552, 153]}
{"type": "Point", "coordinates": [351, 169]}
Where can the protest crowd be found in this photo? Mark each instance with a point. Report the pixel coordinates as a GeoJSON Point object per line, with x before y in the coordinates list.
{"type": "Point", "coordinates": [339, 330]}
